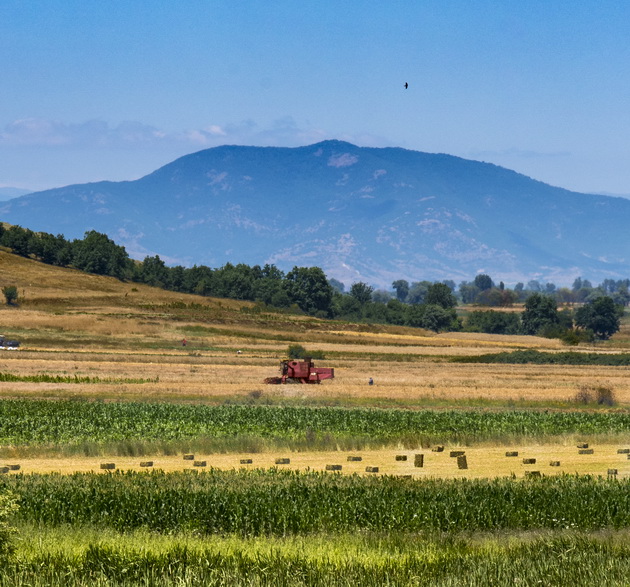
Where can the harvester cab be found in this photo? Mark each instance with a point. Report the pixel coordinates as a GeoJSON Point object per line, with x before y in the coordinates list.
{"type": "Point", "coordinates": [292, 371]}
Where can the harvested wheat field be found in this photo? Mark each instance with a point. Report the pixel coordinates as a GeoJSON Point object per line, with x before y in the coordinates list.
{"type": "Point", "coordinates": [480, 462]}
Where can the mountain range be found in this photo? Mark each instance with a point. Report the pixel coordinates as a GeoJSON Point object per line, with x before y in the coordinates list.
{"type": "Point", "coordinates": [359, 213]}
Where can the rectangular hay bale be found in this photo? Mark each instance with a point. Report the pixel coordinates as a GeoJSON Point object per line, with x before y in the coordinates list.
{"type": "Point", "coordinates": [438, 448]}
{"type": "Point", "coordinates": [529, 461]}
{"type": "Point", "coordinates": [418, 460]}
{"type": "Point", "coordinates": [371, 469]}
{"type": "Point", "coordinates": [585, 451]}
{"type": "Point", "coordinates": [401, 457]}
{"type": "Point", "coordinates": [623, 451]}
{"type": "Point", "coordinates": [456, 453]}
{"type": "Point", "coordinates": [582, 445]}
{"type": "Point", "coordinates": [4, 470]}
{"type": "Point", "coordinates": [333, 467]}
{"type": "Point", "coordinates": [612, 472]}
{"type": "Point", "coordinates": [511, 453]}
{"type": "Point", "coordinates": [554, 464]}
{"type": "Point", "coordinates": [189, 457]}
{"type": "Point", "coordinates": [246, 461]}
{"type": "Point", "coordinates": [354, 458]}
{"type": "Point", "coordinates": [199, 464]}
{"type": "Point", "coordinates": [462, 463]}
{"type": "Point", "coordinates": [283, 461]}
{"type": "Point", "coordinates": [146, 464]}
{"type": "Point", "coordinates": [14, 467]}
{"type": "Point", "coordinates": [108, 466]}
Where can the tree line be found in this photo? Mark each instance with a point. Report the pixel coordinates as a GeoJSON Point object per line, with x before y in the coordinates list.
{"type": "Point", "coordinates": [421, 304]}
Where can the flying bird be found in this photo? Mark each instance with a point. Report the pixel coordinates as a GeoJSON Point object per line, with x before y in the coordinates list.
{"type": "Point", "coordinates": [406, 85]}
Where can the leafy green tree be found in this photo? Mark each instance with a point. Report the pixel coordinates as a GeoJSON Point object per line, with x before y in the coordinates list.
{"type": "Point", "coordinates": [418, 292]}
{"type": "Point", "coordinates": [468, 292]}
{"type": "Point", "coordinates": [17, 239]}
{"type": "Point", "coordinates": [396, 312]}
{"type": "Point", "coordinates": [362, 292]}
{"type": "Point", "coordinates": [540, 313]}
{"type": "Point", "coordinates": [492, 322]}
{"type": "Point", "coordinates": [483, 281]}
{"type": "Point", "coordinates": [601, 316]}
{"type": "Point", "coordinates": [309, 289]}
{"type": "Point", "coordinates": [153, 271]}
{"type": "Point", "coordinates": [440, 294]}
{"type": "Point", "coordinates": [381, 296]}
{"type": "Point", "coordinates": [337, 285]}
{"type": "Point", "coordinates": [402, 289]}
{"type": "Point", "coordinates": [437, 318]}
{"type": "Point", "coordinates": [97, 253]}
{"type": "Point", "coordinates": [10, 294]}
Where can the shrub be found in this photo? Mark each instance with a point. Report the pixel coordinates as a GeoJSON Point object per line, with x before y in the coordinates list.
{"type": "Point", "coordinates": [297, 351]}
{"type": "Point", "coordinates": [10, 294]}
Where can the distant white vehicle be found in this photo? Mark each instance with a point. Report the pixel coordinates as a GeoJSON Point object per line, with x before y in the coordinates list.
{"type": "Point", "coordinates": [8, 345]}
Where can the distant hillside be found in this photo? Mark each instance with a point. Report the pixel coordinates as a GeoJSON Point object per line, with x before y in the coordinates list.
{"type": "Point", "coordinates": [8, 193]}
{"type": "Point", "coordinates": [359, 213]}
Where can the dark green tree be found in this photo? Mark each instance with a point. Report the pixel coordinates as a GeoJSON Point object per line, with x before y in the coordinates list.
{"type": "Point", "coordinates": [10, 294]}
{"type": "Point", "coordinates": [362, 292]}
{"type": "Point", "coordinates": [402, 289]}
{"type": "Point", "coordinates": [440, 294]}
{"type": "Point", "coordinates": [97, 253]}
{"type": "Point", "coordinates": [601, 316]}
{"type": "Point", "coordinates": [540, 313]}
{"type": "Point", "coordinates": [483, 281]}
{"type": "Point", "coordinates": [309, 289]}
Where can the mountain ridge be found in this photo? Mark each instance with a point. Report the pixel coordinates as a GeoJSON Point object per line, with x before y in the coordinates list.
{"type": "Point", "coordinates": [360, 213]}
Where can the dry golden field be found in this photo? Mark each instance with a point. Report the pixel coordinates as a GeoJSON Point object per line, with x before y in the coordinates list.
{"type": "Point", "coordinates": [482, 461]}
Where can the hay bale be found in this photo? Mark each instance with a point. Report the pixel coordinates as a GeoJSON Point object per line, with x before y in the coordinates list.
{"type": "Point", "coordinates": [4, 470]}
{"type": "Point", "coordinates": [532, 474]}
{"type": "Point", "coordinates": [612, 472]}
{"type": "Point", "coordinates": [406, 476]}
{"type": "Point", "coordinates": [146, 464]}
{"type": "Point", "coordinates": [189, 457]}
{"type": "Point", "coordinates": [14, 467]}
{"type": "Point", "coordinates": [283, 461]}
{"type": "Point", "coordinates": [529, 461]}
{"type": "Point", "coordinates": [456, 453]}
{"type": "Point", "coordinates": [246, 461]}
{"type": "Point", "coordinates": [108, 466]}
{"type": "Point", "coordinates": [511, 453]}
{"type": "Point", "coordinates": [438, 448]}
{"type": "Point", "coordinates": [554, 464]}
{"type": "Point", "coordinates": [371, 469]}
{"type": "Point", "coordinates": [462, 463]}
{"type": "Point", "coordinates": [585, 451]}
{"type": "Point", "coordinates": [352, 458]}
{"type": "Point", "coordinates": [199, 464]}
{"type": "Point", "coordinates": [582, 445]}
{"type": "Point", "coordinates": [623, 451]}
{"type": "Point", "coordinates": [418, 460]}
{"type": "Point", "coordinates": [401, 457]}
{"type": "Point", "coordinates": [333, 467]}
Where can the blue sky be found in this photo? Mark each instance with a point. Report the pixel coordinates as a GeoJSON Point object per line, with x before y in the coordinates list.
{"type": "Point", "coordinates": [106, 89]}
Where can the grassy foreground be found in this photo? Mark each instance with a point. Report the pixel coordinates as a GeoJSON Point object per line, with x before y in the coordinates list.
{"type": "Point", "coordinates": [91, 556]}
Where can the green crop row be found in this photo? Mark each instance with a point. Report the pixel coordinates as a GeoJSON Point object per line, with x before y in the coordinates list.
{"type": "Point", "coordinates": [274, 502]}
{"type": "Point", "coordinates": [44, 378]}
{"type": "Point", "coordinates": [39, 422]}
{"type": "Point", "coordinates": [551, 561]}
{"type": "Point", "coordinates": [542, 358]}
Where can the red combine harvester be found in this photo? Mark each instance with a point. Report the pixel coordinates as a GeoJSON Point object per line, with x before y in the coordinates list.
{"type": "Point", "coordinates": [301, 372]}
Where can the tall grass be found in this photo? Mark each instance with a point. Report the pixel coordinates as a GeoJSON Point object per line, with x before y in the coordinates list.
{"type": "Point", "coordinates": [279, 502]}
{"type": "Point", "coordinates": [83, 424]}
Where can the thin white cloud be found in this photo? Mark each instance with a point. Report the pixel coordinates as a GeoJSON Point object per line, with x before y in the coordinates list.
{"type": "Point", "coordinates": [40, 132]}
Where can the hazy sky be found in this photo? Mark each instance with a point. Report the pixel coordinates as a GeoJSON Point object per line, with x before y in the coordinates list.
{"type": "Point", "coordinates": [106, 89]}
